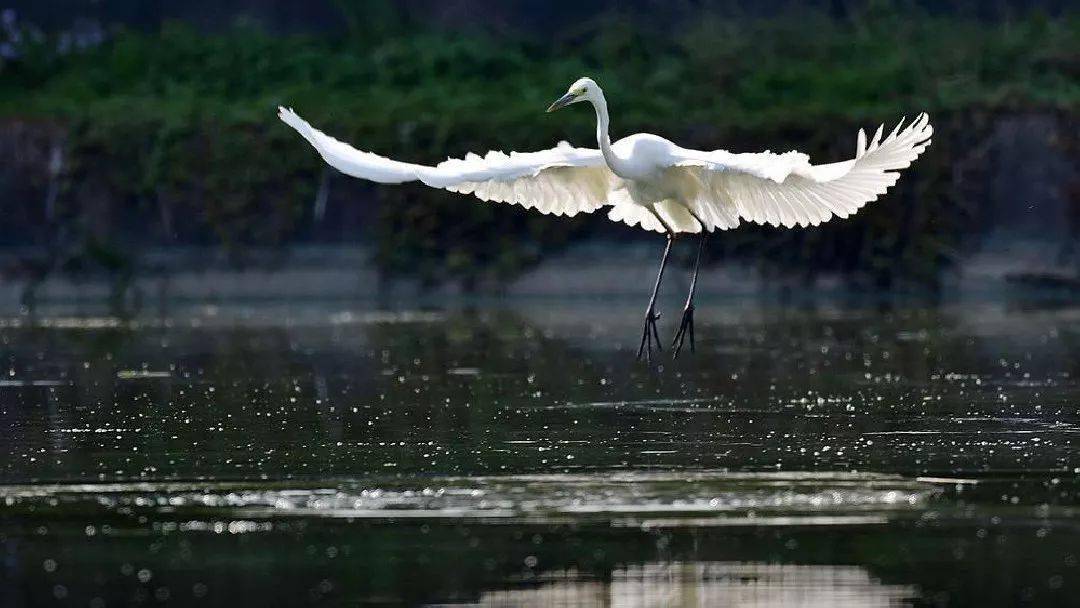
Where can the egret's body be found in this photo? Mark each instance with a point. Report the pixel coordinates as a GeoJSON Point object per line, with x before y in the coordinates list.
{"type": "Point", "coordinates": [651, 182]}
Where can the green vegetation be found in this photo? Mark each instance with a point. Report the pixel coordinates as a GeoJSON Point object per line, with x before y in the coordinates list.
{"type": "Point", "coordinates": [186, 120]}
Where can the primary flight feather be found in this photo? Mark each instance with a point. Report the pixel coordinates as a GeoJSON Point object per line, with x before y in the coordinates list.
{"type": "Point", "coordinates": [651, 182]}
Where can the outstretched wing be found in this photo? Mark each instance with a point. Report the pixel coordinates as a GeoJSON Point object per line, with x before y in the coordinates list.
{"type": "Point", "coordinates": [785, 189]}
{"type": "Point", "coordinates": [563, 180]}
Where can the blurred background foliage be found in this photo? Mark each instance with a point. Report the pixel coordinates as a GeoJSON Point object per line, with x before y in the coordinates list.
{"type": "Point", "coordinates": [167, 134]}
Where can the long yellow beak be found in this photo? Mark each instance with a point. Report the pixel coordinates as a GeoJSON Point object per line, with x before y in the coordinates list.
{"type": "Point", "coordinates": [562, 102]}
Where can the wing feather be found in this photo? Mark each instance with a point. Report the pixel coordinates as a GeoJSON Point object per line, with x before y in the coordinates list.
{"type": "Point", "coordinates": [562, 180]}
{"type": "Point", "coordinates": [719, 187]}
{"type": "Point", "coordinates": [786, 190]}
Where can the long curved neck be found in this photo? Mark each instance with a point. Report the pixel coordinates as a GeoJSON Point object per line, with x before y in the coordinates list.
{"type": "Point", "coordinates": [603, 122]}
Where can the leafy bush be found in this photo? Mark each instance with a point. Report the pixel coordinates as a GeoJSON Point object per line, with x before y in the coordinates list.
{"type": "Point", "coordinates": [184, 121]}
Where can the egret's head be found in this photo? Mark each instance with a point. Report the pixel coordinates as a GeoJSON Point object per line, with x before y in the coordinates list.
{"type": "Point", "coordinates": [583, 89]}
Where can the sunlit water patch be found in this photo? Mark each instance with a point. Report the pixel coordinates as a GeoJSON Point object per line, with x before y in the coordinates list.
{"type": "Point", "coordinates": [624, 498]}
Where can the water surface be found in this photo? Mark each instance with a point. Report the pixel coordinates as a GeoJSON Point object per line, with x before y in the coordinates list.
{"type": "Point", "coordinates": [515, 454]}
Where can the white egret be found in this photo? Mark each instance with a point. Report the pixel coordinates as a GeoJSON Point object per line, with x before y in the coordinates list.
{"type": "Point", "coordinates": [651, 182]}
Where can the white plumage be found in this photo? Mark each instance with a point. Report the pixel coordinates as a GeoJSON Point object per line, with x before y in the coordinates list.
{"type": "Point", "coordinates": [563, 180]}
{"type": "Point", "coordinates": [647, 180]}
{"type": "Point", "coordinates": [650, 182]}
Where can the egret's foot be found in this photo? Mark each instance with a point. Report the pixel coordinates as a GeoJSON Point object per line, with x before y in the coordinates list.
{"type": "Point", "coordinates": [649, 335]}
{"type": "Point", "coordinates": [686, 328]}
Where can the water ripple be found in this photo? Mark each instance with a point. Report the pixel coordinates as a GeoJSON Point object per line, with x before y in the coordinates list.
{"type": "Point", "coordinates": [623, 498]}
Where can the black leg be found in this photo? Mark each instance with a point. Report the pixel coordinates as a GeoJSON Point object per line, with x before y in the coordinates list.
{"type": "Point", "coordinates": [686, 326]}
{"type": "Point", "coordinates": [649, 333]}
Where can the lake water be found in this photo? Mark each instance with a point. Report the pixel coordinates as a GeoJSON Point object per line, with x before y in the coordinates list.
{"type": "Point", "coordinates": [515, 454]}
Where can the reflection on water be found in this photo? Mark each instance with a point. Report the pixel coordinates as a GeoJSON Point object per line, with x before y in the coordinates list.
{"type": "Point", "coordinates": [707, 584]}
{"type": "Point", "coordinates": [508, 456]}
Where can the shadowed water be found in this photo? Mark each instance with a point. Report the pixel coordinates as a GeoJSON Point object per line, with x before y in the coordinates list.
{"type": "Point", "coordinates": [510, 454]}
